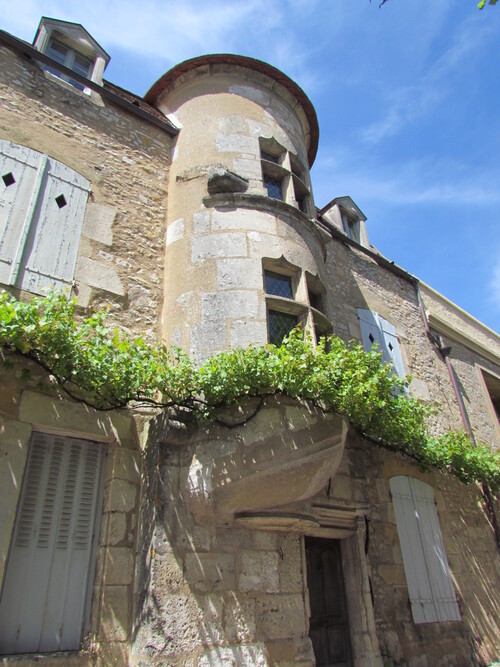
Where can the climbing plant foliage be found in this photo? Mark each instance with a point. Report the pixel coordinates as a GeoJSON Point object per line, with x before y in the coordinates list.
{"type": "Point", "coordinates": [107, 368]}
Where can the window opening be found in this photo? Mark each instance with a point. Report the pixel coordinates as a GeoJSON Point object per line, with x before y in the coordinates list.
{"type": "Point", "coordinates": [493, 388]}
{"type": "Point", "coordinates": [301, 203]}
{"type": "Point", "coordinates": [280, 326]}
{"type": "Point", "coordinates": [351, 228]}
{"type": "Point", "coordinates": [315, 301]}
{"type": "Point", "coordinates": [68, 58]}
{"type": "Point", "coordinates": [278, 284]}
{"type": "Point", "coordinates": [8, 179]}
{"type": "Point", "coordinates": [269, 157]}
{"type": "Point", "coordinates": [273, 187]}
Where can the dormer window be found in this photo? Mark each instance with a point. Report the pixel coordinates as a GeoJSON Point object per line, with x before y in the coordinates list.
{"type": "Point", "coordinates": [351, 227]}
{"type": "Point", "coordinates": [71, 46]}
{"type": "Point", "coordinates": [348, 218]}
{"type": "Point", "coordinates": [70, 59]}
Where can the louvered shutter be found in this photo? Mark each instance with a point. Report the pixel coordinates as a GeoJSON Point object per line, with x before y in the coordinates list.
{"type": "Point", "coordinates": [40, 220]}
{"type": "Point", "coordinates": [374, 329]}
{"type": "Point", "coordinates": [45, 598]}
{"type": "Point", "coordinates": [430, 586]}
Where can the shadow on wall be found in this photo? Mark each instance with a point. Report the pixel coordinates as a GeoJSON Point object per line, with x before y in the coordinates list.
{"type": "Point", "coordinates": [224, 593]}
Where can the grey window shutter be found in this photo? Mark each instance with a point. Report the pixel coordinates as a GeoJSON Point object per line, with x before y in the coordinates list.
{"type": "Point", "coordinates": [374, 329]}
{"type": "Point", "coordinates": [50, 253]}
{"type": "Point", "coordinates": [391, 349]}
{"type": "Point", "coordinates": [45, 598]}
{"type": "Point", "coordinates": [41, 218]}
{"type": "Point", "coordinates": [370, 329]}
{"type": "Point", "coordinates": [430, 586]}
{"type": "Point", "coordinates": [19, 167]}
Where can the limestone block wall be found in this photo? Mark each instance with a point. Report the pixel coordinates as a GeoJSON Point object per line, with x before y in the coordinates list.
{"type": "Point", "coordinates": [474, 349]}
{"type": "Point", "coordinates": [354, 280]}
{"type": "Point", "coordinates": [126, 160]}
{"type": "Point", "coordinates": [214, 295]}
{"type": "Point", "coordinates": [472, 557]}
{"type": "Point", "coordinates": [118, 584]}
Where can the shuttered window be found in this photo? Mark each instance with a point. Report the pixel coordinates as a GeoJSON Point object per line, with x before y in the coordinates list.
{"type": "Point", "coordinates": [45, 601]}
{"type": "Point", "coordinates": [374, 329]}
{"type": "Point", "coordinates": [430, 586]}
{"type": "Point", "coordinates": [42, 205]}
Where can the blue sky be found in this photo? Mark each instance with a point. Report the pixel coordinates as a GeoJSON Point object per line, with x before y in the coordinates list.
{"type": "Point", "coordinates": [407, 98]}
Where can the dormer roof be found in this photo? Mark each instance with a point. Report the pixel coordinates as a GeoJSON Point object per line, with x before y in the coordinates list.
{"type": "Point", "coordinates": [347, 205]}
{"type": "Point", "coordinates": [74, 32]}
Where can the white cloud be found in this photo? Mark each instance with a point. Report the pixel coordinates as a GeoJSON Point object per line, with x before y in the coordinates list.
{"type": "Point", "coordinates": [425, 181]}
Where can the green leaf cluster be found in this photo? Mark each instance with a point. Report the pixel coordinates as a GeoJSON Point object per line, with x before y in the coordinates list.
{"type": "Point", "coordinates": [107, 368]}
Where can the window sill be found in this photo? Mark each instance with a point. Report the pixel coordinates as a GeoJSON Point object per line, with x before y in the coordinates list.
{"type": "Point", "coordinates": [321, 321]}
{"type": "Point", "coordinates": [285, 305]}
{"type": "Point", "coordinates": [259, 203]}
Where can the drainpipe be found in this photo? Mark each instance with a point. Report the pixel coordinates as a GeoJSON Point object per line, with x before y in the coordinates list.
{"type": "Point", "coordinates": [444, 351]}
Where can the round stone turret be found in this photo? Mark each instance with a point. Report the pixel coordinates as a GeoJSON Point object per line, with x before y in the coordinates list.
{"type": "Point", "coordinates": [243, 256]}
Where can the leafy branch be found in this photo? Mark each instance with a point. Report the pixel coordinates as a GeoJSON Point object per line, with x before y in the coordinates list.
{"type": "Point", "coordinates": [107, 368]}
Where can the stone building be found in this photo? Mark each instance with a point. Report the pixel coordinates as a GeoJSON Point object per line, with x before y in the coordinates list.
{"type": "Point", "coordinates": [288, 540]}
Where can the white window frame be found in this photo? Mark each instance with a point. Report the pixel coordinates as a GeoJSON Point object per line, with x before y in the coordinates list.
{"type": "Point", "coordinates": [69, 62]}
{"type": "Point", "coordinates": [351, 228]}
{"type": "Point", "coordinates": [430, 584]}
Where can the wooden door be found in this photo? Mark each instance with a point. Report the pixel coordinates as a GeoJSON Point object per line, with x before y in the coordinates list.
{"type": "Point", "coordinates": [329, 627]}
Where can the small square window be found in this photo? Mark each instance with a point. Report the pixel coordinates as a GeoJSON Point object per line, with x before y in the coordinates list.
{"type": "Point", "coordinates": [351, 228]}
{"type": "Point", "coordinates": [278, 285]}
{"type": "Point", "coordinates": [269, 157]}
{"type": "Point", "coordinates": [280, 326]}
{"type": "Point", "coordinates": [315, 301]}
{"type": "Point", "coordinates": [273, 187]}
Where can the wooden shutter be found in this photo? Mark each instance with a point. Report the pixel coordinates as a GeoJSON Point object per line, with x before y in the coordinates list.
{"type": "Point", "coordinates": [45, 598]}
{"type": "Point", "coordinates": [430, 586]}
{"type": "Point", "coordinates": [374, 329]}
{"type": "Point", "coordinates": [391, 349]}
{"type": "Point", "coordinates": [19, 185]}
{"type": "Point", "coordinates": [40, 220]}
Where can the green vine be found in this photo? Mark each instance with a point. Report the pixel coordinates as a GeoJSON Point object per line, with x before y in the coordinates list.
{"type": "Point", "coordinates": [107, 368]}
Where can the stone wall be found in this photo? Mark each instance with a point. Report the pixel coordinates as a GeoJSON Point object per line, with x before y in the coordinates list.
{"type": "Point", "coordinates": [125, 158]}
{"type": "Point", "coordinates": [120, 263]}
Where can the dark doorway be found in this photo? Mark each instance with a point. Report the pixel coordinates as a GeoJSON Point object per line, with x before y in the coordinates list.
{"type": "Point", "coordinates": [329, 627]}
